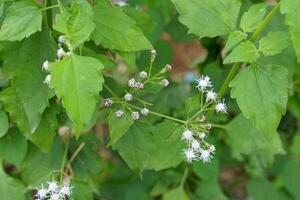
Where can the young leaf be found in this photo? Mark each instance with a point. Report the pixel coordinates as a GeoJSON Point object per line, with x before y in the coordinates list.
{"type": "Point", "coordinates": [234, 38]}
{"type": "Point", "coordinates": [13, 147]}
{"type": "Point", "coordinates": [261, 94]}
{"type": "Point", "coordinates": [253, 17]}
{"type": "Point", "coordinates": [274, 43]}
{"type": "Point", "coordinates": [244, 52]}
{"type": "Point", "coordinates": [118, 126]}
{"type": "Point", "coordinates": [11, 188]}
{"type": "Point", "coordinates": [77, 80]}
{"type": "Point", "coordinates": [175, 194]}
{"type": "Point", "coordinates": [208, 18]}
{"type": "Point", "coordinates": [76, 23]}
{"type": "Point", "coordinates": [22, 19]}
{"type": "Point", "coordinates": [4, 125]}
{"type": "Point", "coordinates": [116, 31]}
{"type": "Point", "coordinates": [292, 18]}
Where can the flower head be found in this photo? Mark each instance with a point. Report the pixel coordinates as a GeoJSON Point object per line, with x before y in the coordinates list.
{"type": "Point", "coordinates": [52, 187]}
{"type": "Point", "coordinates": [60, 53]}
{"type": "Point", "coordinates": [55, 196]}
{"type": "Point", "coordinates": [41, 193]}
{"type": "Point", "coordinates": [128, 97]}
{"type": "Point", "coordinates": [119, 113]}
{"type": "Point", "coordinates": [145, 111]}
{"type": "Point", "coordinates": [195, 145]}
{"type": "Point", "coordinates": [131, 83]}
{"type": "Point", "coordinates": [66, 190]}
{"type": "Point", "coordinates": [46, 65]}
{"type": "Point", "coordinates": [62, 39]}
{"type": "Point", "coordinates": [107, 102]}
{"type": "Point", "coordinates": [205, 156]}
{"type": "Point", "coordinates": [211, 96]}
{"type": "Point", "coordinates": [135, 115]}
{"type": "Point", "coordinates": [212, 148]}
{"type": "Point", "coordinates": [203, 83]}
{"type": "Point", "coordinates": [143, 74]}
{"type": "Point", "coordinates": [139, 85]}
{"type": "Point", "coordinates": [189, 155]}
{"type": "Point", "coordinates": [221, 107]}
{"type": "Point", "coordinates": [168, 67]}
{"type": "Point", "coordinates": [47, 79]}
{"type": "Point", "coordinates": [187, 135]}
{"type": "Point", "coordinates": [165, 82]}
{"type": "Point", "coordinates": [202, 135]}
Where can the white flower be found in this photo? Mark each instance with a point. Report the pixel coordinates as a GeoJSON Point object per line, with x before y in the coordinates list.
{"type": "Point", "coordinates": [168, 67]}
{"type": "Point", "coordinates": [205, 156]}
{"type": "Point", "coordinates": [207, 126]}
{"type": "Point", "coordinates": [203, 82]}
{"type": "Point", "coordinates": [139, 85]}
{"type": "Point", "coordinates": [145, 111]}
{"type": "Point", "coordinates": [47, 79]}
{"type": "Point", "coordinates": [153, 52]}
{"type": "Point", "coordinates": [61, 39]}
{"type": "Point", "coordinates": [211, 96]}
{"type": "Point", "coordinates": [66, 190]}
{"type": "Point", "coordinates": [119, 113]}
{"type": "Point", "coordinates": [221, 107]}
{"type": "Point", "coordinates": [60, 53]}
{"type": "Point", "coordinates": [52, 187]}
{"type": "Point", "coordinates": [201, 118]}
{"type": "Point", "coordinates": [202, 135]}
{"type": "Point", "coordinates": [195, 145]}
{"type": "Point", "coordinates": [211, 148]}
{"type": "Point", "coordinates": [46, 65]}
{"type": "Point", "coordinates": [107, 102]}
{"type": "Point", "coordinates": [187, 135]}
{"type": "Point", "coordinates": [135, 115]}
{"type": "Point", "coordinates": [128, 97]}
{"type": "Point", "coordinates": [41, 193]}
{"type": "Point", "coordinates": [143, 74]}
{"type": "Point", "coordinates": [55, 196]}
{"type": "Point", "coordinates": [131, 83]}
{"type": "Point", "coordinates": [165, 82]}
{"type": "Point", "coordinates": [189, 155]}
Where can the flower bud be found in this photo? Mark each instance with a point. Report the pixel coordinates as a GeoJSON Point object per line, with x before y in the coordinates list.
{"type": "Point", "coordinates": [108, 102]}
{"type": "Point", "coordinates": [60, 53]}
{"type": "Point", "coordinates": [207, 126]}
{"type": "Point", "coordinates": [119, 113]}
{"type": "Point", "coordinates": [165, 82]}
{"type": "Point", "coordinates": [61, 39]}
{"type": "Point", "coordinates": [168, 67]}
{"type": "Point", "coordinates": [143, 74]}
{"type": "Point", "coordinates": [128, 97]}
{"type": "Point", "coordinates": [145, 111]}
{"type": "Point", "coordinates": [202, 135]}
{"type": "Point", "coordinates": [201, 118]}
{"type": "Point", "coordinates": [131, 83]}
{"type": "Point", "coordinates": [47, 80]}
{"type": "Point", "coordinates": [139, 85]}
{"type": "Point", "coordinates": [46, 65]}
{"type": "Point", "coordinates": [135, 115]}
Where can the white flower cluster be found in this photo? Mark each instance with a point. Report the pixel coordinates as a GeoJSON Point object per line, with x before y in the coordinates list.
{"type": "Point", "coordinates": [54, 191]}
{"type": "Point", "coordinates": [197, 147]}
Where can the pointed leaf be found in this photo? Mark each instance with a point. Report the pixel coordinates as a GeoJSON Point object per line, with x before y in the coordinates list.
{"type": "Point", "coordinates": [208, 18]}
{"type": "Point", "coordinates": [77, 80]}
{"type": "Point", "coordinates": [244, 52]}
{"type": "Point", "coordinates": [234, 38]}
{"type": "Point", "coordinates": [253, 17]}
{"type": "Point", "coordinates": [4, 125]}
{"type": "Point", "coordinates": [22, 19]}
{"type": "Point", "coordinates": [273, 43]}
{"type": "Point", "coordinates": [175, 194]}
{"type": "Point", "coordinates": [261, 94]}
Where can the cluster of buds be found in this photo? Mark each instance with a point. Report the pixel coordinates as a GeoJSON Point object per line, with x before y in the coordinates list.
{"type": "Point", "coordinates": [54, 191]}
{"type": "Point", "coordinates": [197, 147]}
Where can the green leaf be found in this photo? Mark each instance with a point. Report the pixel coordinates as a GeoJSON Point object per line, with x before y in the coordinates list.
{"type": "Point", "coordinates": [22, 19]}
{"type": "Point", "coordinates": [77, 80]}
{"type": "Point", "coordinates": [234, 38]}
{"type": "Point", "coordinates": [262, 189]}
{"type": "Point", "coordinates": [38, 167]}
{"type": "Point", "coordinates": [158, 150]}
{"type": "Point", "coordinates": [210, 189]}
{"type": "Point", "coordinates": [4, 125]}
{"type": "Point", "coordinates": [81, 191]}
{"type": "Point", "coordinates": [124, 35]}
{"type": "Point", "coordinates": [292, 18]}
{"type": "Point", "coordinates": [192, 104]}
{"type": "Point", "coordinates": [76, 23]}
{"type": "Point", "coordinates": [11, 188]}
{"type": "Point", "coordinates": [13, 147]}
{"type": "Point", "coordinates": [207, 172]}
{"type": "Point", "coordinates": [253, 17]}
{"type": "Point", "coordinates": [245, 139]}
{"type": "Point", "coordinates": [209, 18]}
{"type": "Point", "coordinates": [244, 52]}
{"type": "Point", "coordinates": [27, 97]}
{"type": "Point", "coordinates": [273, 43]}
{"type": "Point", "coordinates": [118, 126]}
{"type": "Point", "coordinates": [175, 194]}
{"type": "Point", "coordinates": [264, 100]}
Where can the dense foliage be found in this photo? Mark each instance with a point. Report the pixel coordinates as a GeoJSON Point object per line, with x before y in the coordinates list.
{"type": "Point", "coordinates": [149, 99]}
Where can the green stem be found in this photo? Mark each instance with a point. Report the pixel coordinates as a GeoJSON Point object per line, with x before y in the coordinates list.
{"type": "Point", "coordinates": [235, 67]}
{"type": "Point", "coordinates": [50, 7]}
{"type": "Point", "coordinates": [218, 126]}
{"type": "Point", "coordinates": [184, 176]}
{"type": "Point", "coordinates": [110, 91]}
{"type": "Point", "coordinates": [63, 162]}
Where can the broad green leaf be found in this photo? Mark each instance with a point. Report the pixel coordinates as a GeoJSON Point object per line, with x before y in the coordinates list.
{"type": "Point", "coordinates": [27, 97]}
{"type": "Point", "coordinates": [244, 52]}
{"type": "Point", "coordinates": [76, 23]}
{"type": "Point", "coordinates": [44, 134]}
{"type": "Point", "coordinates": [4, 125]}
{"type": "Point", "coordinates": [118, 126]}
{"type": "Point", "coordinates": [81, 191]}
{"type": "Point", "coordinates": [13, 147]}
{"type": "Point", "coordinates": [208, 18]}
{"type": "Point", "coordinates": [207, 172]}
{"type": "Point", "coordinates": [292, 18]}
{"type": "Point", "coordinates": [295, 147]}
{"type": "Point", "coordinates": [175, 194]}
{"type": "Point", "coordinates": [262, 189]}
{"type": "Point", "coordinates": [22, 19]}
{"type": "Point", "coordinates": [11, 188]}
{"type": "Point", "coordinates": [253, 17]}
{"type": "Point", "coordinates": [193, 104]}
{"type": "Point", "coordinates": [38, 167]}
{"type": "Point", "coordinates": [116, 31]}
{"type": "Point", "coordinates": [245, 139]}
{"type": "Point", "coordinates": [234, 38]}
{"type": "Point", "coordinates": [210, 190]}
{"type": "Point", "coordinates": [261, 94]}
{"type": "Point", "coordinates": [77, 80]}
{"type": "Point", "coordinates": [158, 150]}
{"type": "Point", "coordinates": [273, 43]}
